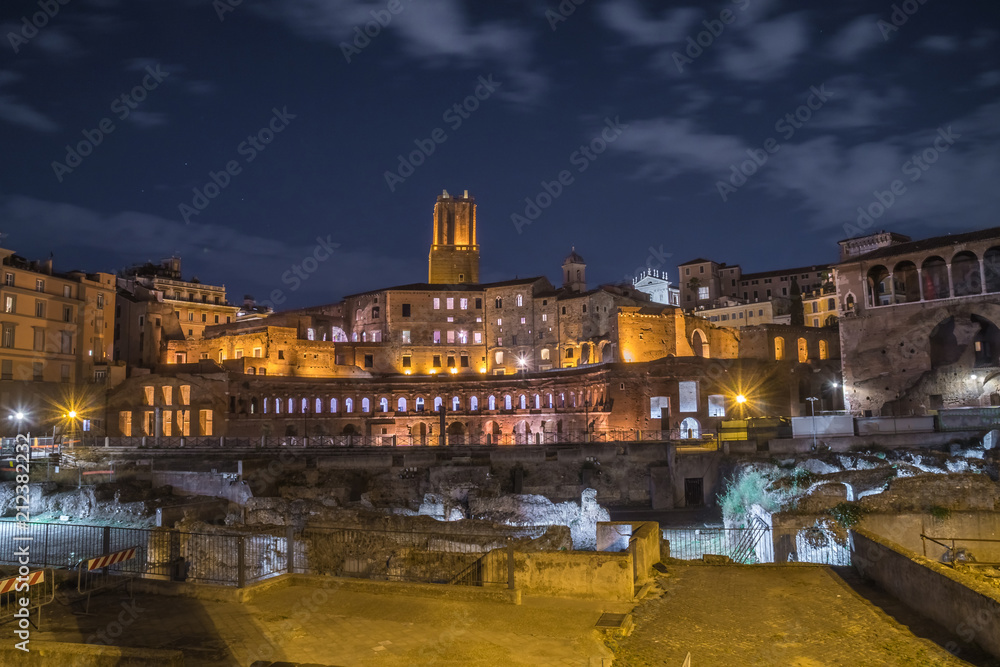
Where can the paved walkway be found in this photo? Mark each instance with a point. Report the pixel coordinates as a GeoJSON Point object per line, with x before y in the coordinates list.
{"type": "Point", "coordinates": [796, 616]}
{"type": "Point", "coordinates": [333, 627]}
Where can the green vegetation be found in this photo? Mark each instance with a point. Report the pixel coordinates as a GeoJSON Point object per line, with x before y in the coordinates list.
{"type": "Point", "coordinates": [750, 487]}
{"type": "Point", "coordinates": [847, 513]}
{"type": "Point", "coordinates": [940, 513]}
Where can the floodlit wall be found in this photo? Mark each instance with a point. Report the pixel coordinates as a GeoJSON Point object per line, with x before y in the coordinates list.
{"type": "Point", "coordinates": [575, 574]}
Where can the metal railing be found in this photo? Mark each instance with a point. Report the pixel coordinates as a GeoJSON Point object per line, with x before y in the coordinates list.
{"type": "Point", "coordinates": [749, 545]}
{"type": "Point", "coordinates": [954, 553]}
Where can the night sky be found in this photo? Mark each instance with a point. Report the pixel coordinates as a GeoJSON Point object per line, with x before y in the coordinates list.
{"type": "Point", "coordinates": [674, 117]}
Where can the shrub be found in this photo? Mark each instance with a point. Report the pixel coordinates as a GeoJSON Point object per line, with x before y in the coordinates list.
{"type": "Point", "coordinates": [750, 487]}
{"type": "Point", "coordinates": [847, 513]}
{"type": "Point", "coordinates": [939, 512]}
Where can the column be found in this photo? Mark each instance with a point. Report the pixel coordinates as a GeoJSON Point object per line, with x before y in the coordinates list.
{"type": "Point", "coordinates": [951, 282]}
{"type": "Point", "coordinates": [920, 282]}
{"type": "Point", "coordinates": [982, 275]}
{"type": "Point", "coordinates": [892, 288]}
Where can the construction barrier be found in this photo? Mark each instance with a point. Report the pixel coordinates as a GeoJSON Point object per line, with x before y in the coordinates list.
{"type": "Point", "coordinates": [108, 571]}
{"type": "Point", "coordinates": [37, 589]}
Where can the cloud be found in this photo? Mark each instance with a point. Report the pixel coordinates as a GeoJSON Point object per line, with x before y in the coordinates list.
{"type": "Point", "coordinates": [938, 44]}
{"type": "Point", "coordinates": [830, 178]}
{"type": "Point", "coordinates": [765, 50]}
{"type": "Point", "coordinates": [988, 79]}
{"type": "Point", "coordinates": [146, 119]}
{"type": "Point", "coordinates": [853, 106]}
{"type": "Point", "coordinates": [630, 20]}
{"type": "Point", "coordinates": [16, 112]}
{"type": "Point", "coordinates": [434, 31]}
{"type": "Point", "coordinates": [217, 254]}
{"type": "Point", "coordinates": [855, 38]}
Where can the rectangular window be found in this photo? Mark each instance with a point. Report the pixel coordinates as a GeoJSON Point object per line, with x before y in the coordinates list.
{"type": "Point", "coordinates": [369, 361]}
{"type": "Point", "coordinates": [205, 422]}
{"type": "Point", "coordinates": [377, 336]}
{"type": "Point", "coordinates": [147, 395]}
{"type": "Point", "coordinates": [36, 371]}
{"type": "Point", "coordinates": [64, 372]}
{"type": "Point", "coordinates": [8, 336]}
{"type": "Point", "coordinates": [6, 369]}
{"type": "Point", "coordinates": [100, 300]}
{"type": "Point", "coordinates": [10, 304]}
{"type": "Point", "coordinates": [406, 361]}
{"type": "Point", "coordinates": [479, 304]}
{"type": "Point", "coordinates": [522, 319]}
{"type": "Point", "coordinates": [257, 352]}
{"type": "Point", "coordinates": [659, 407]}
{"type": "Point", "coordinates": [464, 360]}
{"type": "Point", "coordinates": [437, 303]}
{"type": "Point", "coordinates": [545, 317]}
{"type": "Point", "coordinates": [688, 394]}
{"type": "Point", "coordinates": [436, 361]}
{"type": "Point", "coordinates": [584, 307]}
{"type": "Point", "coordinates": [437, 336]}
{"type": "Point", "coordinates": [406, 336]}
{"type": "Point", "coordinates": [168, 422]}
{"type": "Point", "coordinates": [185, 394]}
{"type": "Point", "coordinates": [702, 293]}
{"type": "Point", "coordinates": [451, 336]}
{"type": "Point", "coordinates": [125, 423]}
{"type": "Point", "coordinates": [463, 337]}
{"type": "Point", "coordinates": [168, 395]}
{"type": "Point", "coordinates": [239, 353]}
{"type": "Point", "coordinates": [498, 356]}
{"type": "Point", "coordinates": [67, 343]}
{"type": "Point", "coordinates": [463, 304]}
{"type": "Point", "coordinates": [39, 285]}
{"type": "Point", "coordinates": [39, 345]}
{"type": "Point", "coordinates": [406, 310]}
{"type": "Point", "coordinates": [39, 308]}
{"type": "Point", "coordinates": [67, 291]}
{"type": "Point", "coordinates": [451, 361]}
{"type": "Point", "coordinates": [8, 279]}
{"type": "Point", "coordinates": [499, 321]}
{"type": "Point", "coordinates": [716, 405]}
{"type": "Point", "coordinates": [477, 338]}
{"type": "Point", "coordinates": [449, 303]}
{"type": "Point", "coordinates": [499, 341]}
{"type": "Point", "coordinates": [216, 319]}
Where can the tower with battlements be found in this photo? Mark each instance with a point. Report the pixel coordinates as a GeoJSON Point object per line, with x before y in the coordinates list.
{"type": "Point", "coordinates": [454, 256]}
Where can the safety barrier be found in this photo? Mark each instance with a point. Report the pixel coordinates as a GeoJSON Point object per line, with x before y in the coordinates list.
{"type": "Point", "coordinates": [108, 571]}
{"type": "Point", "coordinates": [38, 588]}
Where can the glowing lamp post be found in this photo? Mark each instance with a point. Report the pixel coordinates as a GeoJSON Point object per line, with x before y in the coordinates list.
{"type": "Point", "coordinates": [812, 406]}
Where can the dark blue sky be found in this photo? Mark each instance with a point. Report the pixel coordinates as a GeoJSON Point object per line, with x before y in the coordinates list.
{"type": "Point", "coordinates": [886, 89]}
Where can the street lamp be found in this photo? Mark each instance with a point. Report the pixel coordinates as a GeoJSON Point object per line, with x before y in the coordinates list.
{"type": "Point", "coordinates": [812, 406]}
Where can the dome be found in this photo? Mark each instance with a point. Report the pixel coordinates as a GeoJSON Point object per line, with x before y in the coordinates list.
{"type": "Point", "coordinates": [573, 258]}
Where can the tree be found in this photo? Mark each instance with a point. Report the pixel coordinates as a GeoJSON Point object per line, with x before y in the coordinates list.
{"type": "Point", "coordinates": [798, 311]}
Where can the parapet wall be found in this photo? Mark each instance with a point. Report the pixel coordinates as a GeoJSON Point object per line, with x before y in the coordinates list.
{"type": "Point", "coordinates": [575, 574]}
{"type": "Point", "coordinates": [958, 602]}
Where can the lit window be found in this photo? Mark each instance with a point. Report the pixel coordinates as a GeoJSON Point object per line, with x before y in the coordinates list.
{"type": "Point", "coordinates": [498, 356]}
{"type": "Point", "coordinates": [437, 303]}
{"type": "Point", "coordinates": [522, 320]}
{"type": "Point", "coordinates": [702, 293]}
{"type": "Point", "coordinates": [437, 336]}
{"type": "Point", "coordinates": [463, 337]}
{"type": "Point", "coordinates": [406, 337]}
{"type": "Point", "coordinates": [499, 321]}
{"type": "Point", "coordinates": [450, 303]}
{"type": "Point", "coordinates": [463, 304]}
{"type": "Point", "coordinates": [545, 317]}
{"type": "Point", "coordinates": [520, 301]}
{"type": "Point", "coordinates": [451, 336]}
{"type": "Point", "coordinates": [477, 338]}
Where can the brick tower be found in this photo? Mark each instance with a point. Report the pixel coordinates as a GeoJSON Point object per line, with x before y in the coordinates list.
{"type": "Point", "coordinates": [454, 256]}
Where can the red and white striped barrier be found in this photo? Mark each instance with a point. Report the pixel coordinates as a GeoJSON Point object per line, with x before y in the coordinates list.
{"type": "Point", "coordinates": [110, 559]}
{"type": "Point", "coordinates": [7, 585]}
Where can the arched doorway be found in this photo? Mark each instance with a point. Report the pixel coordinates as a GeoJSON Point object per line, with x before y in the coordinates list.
{"type": "Point", "coordinates": [456, 433]}
{"type": "Point", "coordinates": [418, 433]}
{"type": "Point", "coordinates": [699, 344]}
{"type": "Point", "coordinates": [492, 431]}
{"type": "Point", "coordinates": [690, 429]}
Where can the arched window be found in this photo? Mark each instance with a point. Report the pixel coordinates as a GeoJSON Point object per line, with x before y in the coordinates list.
{"type": "Point", "coordinates": [520, 301]}
{"type": "Point", "coordinates": [562, 400]}
{"type": "Point", "coordinates": [523, 402]}
{"type": "Point", "coordinates": [991, 269]}
{"type": "Point", "coordinates": [935, 279]}
{"type": "Point", "coordinates": [383, 404]}
{"type": "Point", "coordinates": [277, 406]}
{"type": "Point", "coordinates": [319, 405]}
{"type": "Point", "coordinates": [550, 401]}
{"type": "Point", "coordinates": [506, 402]}
{"type": "Point", "coordinates": [291, 406]}
{"type": "Point", "coordinates": [545, 354]}
{"type": "Point", "coordinates": [779, 348]}
{"type": "Point", "coordinates": [965, 274]}
{"type": "Point", "coordinates": [266, 401]}
{"type": "Point", "coordinates": [310, 334]}
{"type": "Point", "coordinates": [690, 428]}
{"type": "Point", "coordinates": [538, 402]}
{"type": "Point", "coordinates": [438, 402]}
{"type": "Point", "coordinates": [824, 350]}
{"type": "Point", "coordinates": [304, 406]}
{"type": "Point", "coordinates": [491, 403]}
{"type": "Point", "coordinates": [348, 405]}
{"type": "Point", "coordinates": [473, 403]}
{"type": "Point", "coordinates": [253, 405]}
{"type": "Point", "coordinates": [878, 286]}
{"type": "Point", "coordinates": [366, 405]}
{"type": "Point", "coordinates": [333, 405]}
{"type": "Point", "coordinates": [401, 404]}
{"type": "Point", "coordinates": [499, 302]}
{"type": "Point", "coordinates": [419, 404]}
{"type": "Point", "coordinates": [455, 403]}
{"type": "Point", "coordinates": [699, 344]}
{"type": "Point", "coordinates": [803, 351]}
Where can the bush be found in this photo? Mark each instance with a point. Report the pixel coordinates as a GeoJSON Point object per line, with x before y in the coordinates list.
{"type": "Point", "coordinates": [939, 512]}
{"type": "Point", "coordinates": [750, 487]}
{"type": "Point", "coordinates": [847, 513]}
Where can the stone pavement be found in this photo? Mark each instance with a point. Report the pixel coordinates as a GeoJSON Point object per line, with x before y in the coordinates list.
{"type": "Point", "coordinates": [802, 616]}
{"type": "Point", "coordinates": [331, 626]}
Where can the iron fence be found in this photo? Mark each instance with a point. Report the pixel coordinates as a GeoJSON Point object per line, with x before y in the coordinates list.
{"type": "Point", "coordinates": [754, 544]}
{"type": "Point", "coordinates": [971, 551]}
